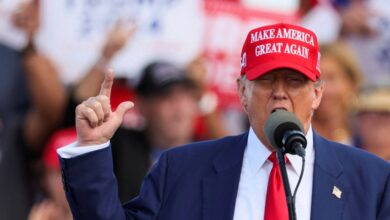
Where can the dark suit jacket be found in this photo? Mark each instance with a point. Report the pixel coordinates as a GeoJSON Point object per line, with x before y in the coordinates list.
{"type": "Point", "coordinates": [200, 181]}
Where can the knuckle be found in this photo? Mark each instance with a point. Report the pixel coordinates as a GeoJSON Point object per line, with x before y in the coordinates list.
{"type": "Point", "coordinates": [90, 99]}
{"type": "Point", "coordinates": [88, 111]}
{"type": "Point", "coordinates": [93, 103]}
{"type": "Point", "coordinates": [85, 102]}
{"type": "Point", "coordinates": [104, 102]}
{"type": "Point", "coordinates": [96, 104]}
{"type": "Point", "coordinates": [102, 98]}
{"type": "Point", "coordinates": [80, 108]}
{"type": "Point", "coordinates": [92, 118]}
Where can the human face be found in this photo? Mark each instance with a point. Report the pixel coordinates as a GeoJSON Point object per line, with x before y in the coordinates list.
{"type": "Point", "coordinates": [339, 91]}
{"type": "Point", "coordinates": [373, 129]}
{"type": "Point", "coordinates": [279, 89]}
{"type": "Point", "coordinates": [172, 115]}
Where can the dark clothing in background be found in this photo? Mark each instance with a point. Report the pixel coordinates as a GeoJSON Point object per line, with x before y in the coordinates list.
{"type": "Point", "coordinates": [15, 196]}
{"type": "Point", "coordinates": [131, 157]}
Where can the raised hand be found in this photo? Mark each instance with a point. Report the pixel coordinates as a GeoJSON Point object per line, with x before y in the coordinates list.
{"type": "Point", "coordinates": [117, 39]}
{"type": "Point", "coordinates": [27, 17]}
{"type": "Point", "coordinates": [95, 122]}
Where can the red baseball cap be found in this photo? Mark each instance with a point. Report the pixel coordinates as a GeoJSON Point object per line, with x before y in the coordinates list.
{"type": "Point", "coordinates": [59, 139]}
{"type": "Point", "coordinates": [280, 46]}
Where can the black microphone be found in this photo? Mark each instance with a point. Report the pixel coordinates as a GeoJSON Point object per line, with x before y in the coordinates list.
{"type": "Point", "coordinates": [284, 131]}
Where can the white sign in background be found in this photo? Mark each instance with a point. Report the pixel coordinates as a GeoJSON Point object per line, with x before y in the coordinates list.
{"type": "Point", "coordinates": [226, 27]}
{"type": "Point", "coordinates": [73, 33]}
{"type": "Point", "coordinates": [279, 6]}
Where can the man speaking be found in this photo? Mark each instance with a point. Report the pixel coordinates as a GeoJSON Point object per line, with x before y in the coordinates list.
{"type": "Point", "coordinates": [234, 177]}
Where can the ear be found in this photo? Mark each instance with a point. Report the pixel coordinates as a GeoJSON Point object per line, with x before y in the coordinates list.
{"type": "Point", "coordinates": [318, 92]}
{"type": "Point", "coordinates": [241, 87]}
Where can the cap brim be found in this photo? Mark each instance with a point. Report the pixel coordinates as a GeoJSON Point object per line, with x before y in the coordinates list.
{"type": "Point", "coordinates": [262, 69]}
{"type": "Point", "coordinates": [184, 81]}
{"type": "Point", "coordinates": [160, 90]}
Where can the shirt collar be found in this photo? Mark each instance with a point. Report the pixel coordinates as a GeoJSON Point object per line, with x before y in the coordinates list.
{"type": "Point", "coordinates": [257, 153]}
{"type": "Point", "coordinates": [296, 161]}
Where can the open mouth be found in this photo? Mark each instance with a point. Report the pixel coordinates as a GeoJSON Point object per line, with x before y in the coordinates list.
{"type": "Point", "coordinates": [275, 109]}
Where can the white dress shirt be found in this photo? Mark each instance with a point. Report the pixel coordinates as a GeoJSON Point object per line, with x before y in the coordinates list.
{"type": "Point", "coordinates": [256, 167]}
{"type": "Point", "coordinates": [74, 149]}
{"type": "Point", "coordinates": [252, 189]}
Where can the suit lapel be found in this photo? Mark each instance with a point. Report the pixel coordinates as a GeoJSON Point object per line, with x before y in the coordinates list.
{"type": "Point", "coordinates": [329, 190]}
{"type": "Point", "coordinates": [220, 188]}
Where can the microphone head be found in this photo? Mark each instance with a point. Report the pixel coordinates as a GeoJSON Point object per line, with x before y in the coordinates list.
{"type": "Point", "coordinates": [277, 124]}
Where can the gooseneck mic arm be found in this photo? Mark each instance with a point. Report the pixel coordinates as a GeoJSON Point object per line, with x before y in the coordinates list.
{"type": "Point", "coordinates": [285, 133]}
{"type": "Point", "coordinates": [289, 198]}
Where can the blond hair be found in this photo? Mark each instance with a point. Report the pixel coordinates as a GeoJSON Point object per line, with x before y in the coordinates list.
{"type": "Point", "coordinates": [347, 60]}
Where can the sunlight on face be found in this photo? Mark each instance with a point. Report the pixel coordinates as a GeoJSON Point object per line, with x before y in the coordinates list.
{"type": "Point", "coordinates": [339, 88]}
{"type": "Point", "coordinates": [282, 88]}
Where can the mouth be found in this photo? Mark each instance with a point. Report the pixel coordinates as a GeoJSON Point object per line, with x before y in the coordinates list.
{"type": "Point", "coordinates": [279, 108]}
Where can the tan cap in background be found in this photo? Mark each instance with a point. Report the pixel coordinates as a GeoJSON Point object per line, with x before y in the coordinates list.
{"type": "Point", "coordinates": [374, 100]}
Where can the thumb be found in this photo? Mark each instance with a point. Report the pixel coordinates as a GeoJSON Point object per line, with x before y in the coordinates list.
{"type": "Point", "coordinates": [123, 108]}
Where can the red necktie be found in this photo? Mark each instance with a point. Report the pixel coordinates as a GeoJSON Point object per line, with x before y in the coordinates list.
{"type": "Point", "coordinates": [275, 204]}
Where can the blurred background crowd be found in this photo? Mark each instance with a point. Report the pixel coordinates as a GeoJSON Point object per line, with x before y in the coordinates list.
{"type": "Point", "coordinates": [178, 61]}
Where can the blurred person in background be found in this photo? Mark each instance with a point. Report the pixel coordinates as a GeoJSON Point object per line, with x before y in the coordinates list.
{"type": "Point", "coordinates": [175, 108]}
{"type": "Point", "coordinates": [342, 78]}
{"type": "Point", "coordinates": [42, 78]}
{"type": "Point", "coordinates": [372, 121]}
{"type": "Point", "coordinates": [210, 124]}
{"type": "Point", "coordinates": [31, 104]}
{"type": "Point", "coordinates": [53, 205]}
{"type": "Point", "coordinates": [363, 24]}
{"type": "Point", "coordinates": [366, 28]}
{"type": "Point", "coordinates": [167, 103]}
{"type": "Point", "coordinates": [355, 18]}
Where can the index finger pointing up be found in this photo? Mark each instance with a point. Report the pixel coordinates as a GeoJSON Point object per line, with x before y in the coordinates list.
{"type": "Point", "coordinates": [107, 83]}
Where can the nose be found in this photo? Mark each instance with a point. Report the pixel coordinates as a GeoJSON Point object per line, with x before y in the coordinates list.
{"type": "Point", "coordinates": [182, 104]}
{"type": "Point", "coordinates": [279, 90]}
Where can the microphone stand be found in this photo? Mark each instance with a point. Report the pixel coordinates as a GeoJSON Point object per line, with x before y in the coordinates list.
{"type": "Point", "coordinates": [286, 184]}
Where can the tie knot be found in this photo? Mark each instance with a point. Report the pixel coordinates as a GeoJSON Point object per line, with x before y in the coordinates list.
{"type": "Point", "coordinates": [272, 158]}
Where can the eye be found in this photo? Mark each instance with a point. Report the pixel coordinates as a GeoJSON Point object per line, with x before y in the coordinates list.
{"type": "Point", "coordinates": [266, 78]}
{"type": "Point", "coordinates": [296, 79]}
